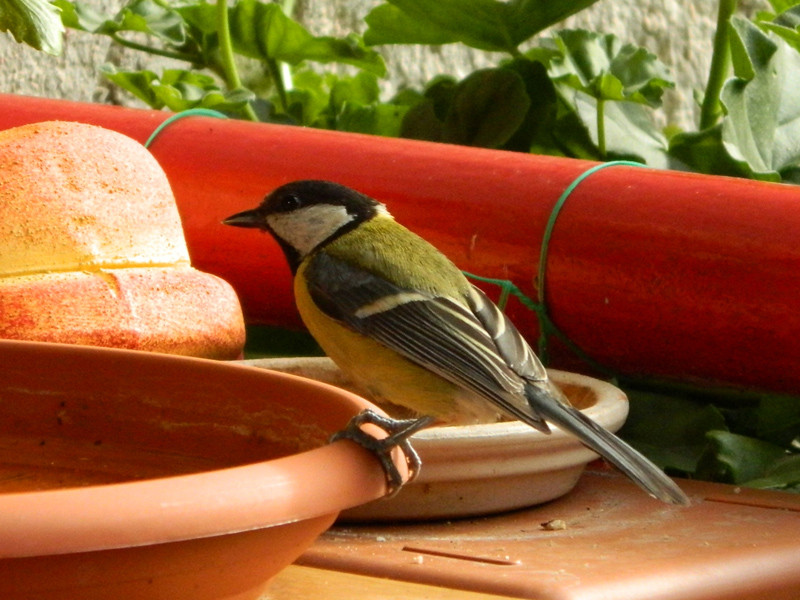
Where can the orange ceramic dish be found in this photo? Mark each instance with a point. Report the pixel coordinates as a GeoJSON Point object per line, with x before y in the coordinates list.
{"type": "Point", "coordinates": [134, 475]}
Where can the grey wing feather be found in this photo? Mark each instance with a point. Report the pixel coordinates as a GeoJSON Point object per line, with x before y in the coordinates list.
{"type": "Point", "coordinates": [437, 333]}
{"type": "Point", "coordinates": [513, 348]}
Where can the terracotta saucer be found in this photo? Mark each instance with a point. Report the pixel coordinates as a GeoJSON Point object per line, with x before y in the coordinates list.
{"type": "Point", "coordinates": [484, 469]}
{"type": "Point", "coordinates": [128, 475]}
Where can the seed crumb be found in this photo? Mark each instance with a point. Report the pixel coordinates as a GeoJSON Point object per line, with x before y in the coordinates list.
{"type": "Point", "coordinates": [554, 525]}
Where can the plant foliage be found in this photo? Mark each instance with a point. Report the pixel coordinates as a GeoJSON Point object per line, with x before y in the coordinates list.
{"type": "Point", "coordinates": [33, 22]}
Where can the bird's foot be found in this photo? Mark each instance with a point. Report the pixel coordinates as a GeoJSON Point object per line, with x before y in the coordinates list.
{"type": "Point", "coordinates": [398, 432]}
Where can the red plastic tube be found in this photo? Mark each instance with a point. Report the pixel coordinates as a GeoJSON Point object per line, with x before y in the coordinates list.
{"type": "Point", "coordinates": [652, 273]}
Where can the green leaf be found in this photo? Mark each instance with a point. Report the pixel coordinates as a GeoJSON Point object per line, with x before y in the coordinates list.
{"type": "Point", "coordinates": [736, 459]}
{"type": "Point", "coordinates": [572, 135]}
{"type": "Point", "coordinates": [529, 17]}
{"type": "Point", "coordinates": [488, 107]}
{"type": "Point", "coordinates": [485, 109]}
{"type": "Point", "coordinates": [354, 107]}
{"type": "Point", "coordinates": [535, 133]}
{"type": "Point", "coordinates": [598, 118]}
{"type": "Point", "coordinates": [308, 98]}
{"type": "Point", "coordinates": [79, 15]}
{"type": "Point", "coordinates": [786, 25]}
{"type": "Point", "coordinates": [778, 420]}
{"type": "Point", "coordinates": [440, 91]}
{"type": "Point", "coordinates": [751, 49]}
{"type": "Point", "coordinates": [178, 90]}
{"type": "Point", "coordinates": [783, 474]}
{"type": "Point", "coordinates": [140, 16]}
{"type": "Point", "coordinates": [630, 132]}
{"type": "Point", "coordinates": [33, 22]}
{"type": "Point", "coordinates": [781, 5]}
{"type": "Point", "coordinates": [362, 88]}
{"type": "Point", "coordinates": [704, 152]}
{"type": "Point", "coordinates": [262, 31]}
{"type": "Point", "coordinates": [376, 119]}
{"type": "Point", "coordinates": [791, 175]}
{"type": "Point", "coordinates": [201, 16]}
{"type": "Point", "coordinates": [678, 441]}
{"type": "Point", "coordinates": [345, 103]}
{"type": "Point", "coordinates": [387, 24]}
{"type": "Point", "coordinates": [761, 131]}
{"type": "Point", "coordinates": [259, 30]}
{"type": "Point", "coordinates": [483, 24]}
{"type": "Point", "coordinates": [477, 23]}
{"type": "Point", "coordinates": [422, 123]}
{"type": "Point", "coordinates": [604, 68]}
{"type": "Point", "coordinates": [138, 83]}
{"type": "Point", "coordinates": [789, 15]}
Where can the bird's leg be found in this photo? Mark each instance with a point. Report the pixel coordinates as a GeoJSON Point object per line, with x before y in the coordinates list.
{"type": "Point", "coordinates": [398, 433]}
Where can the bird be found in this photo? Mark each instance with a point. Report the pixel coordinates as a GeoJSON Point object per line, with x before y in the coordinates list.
{"type": "Point", "coordinates": [403, 322]}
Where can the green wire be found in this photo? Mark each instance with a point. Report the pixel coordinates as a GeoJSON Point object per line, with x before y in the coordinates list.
{"type": "Point", "coordinates": [191, 112]}
{"type": "Point", "coordinates": [546, 325]}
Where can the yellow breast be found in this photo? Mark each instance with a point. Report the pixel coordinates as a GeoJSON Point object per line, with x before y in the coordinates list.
{"type": "Point", "coordinates": [383, 374]}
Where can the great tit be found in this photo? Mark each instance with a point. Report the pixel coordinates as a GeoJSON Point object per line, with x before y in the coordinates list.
{"type": "Point", "coordinates": [401, 320]}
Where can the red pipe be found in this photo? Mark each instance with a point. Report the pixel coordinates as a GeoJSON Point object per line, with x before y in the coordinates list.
{"type": "Point", "coordinates": [654, 273]}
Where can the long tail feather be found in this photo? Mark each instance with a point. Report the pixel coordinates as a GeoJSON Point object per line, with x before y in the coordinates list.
{"type": "Point", "coordinates": [628, 460]}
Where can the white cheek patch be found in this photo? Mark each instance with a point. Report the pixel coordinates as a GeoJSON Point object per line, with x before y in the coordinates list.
{"type": "Point", "coordinates": [305, 228]}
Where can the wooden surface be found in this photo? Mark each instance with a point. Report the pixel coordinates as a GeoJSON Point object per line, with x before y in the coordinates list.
{"type": "Point", "coordinates": [606, 540]}
{"type": "Point", "coordinates": [306, 583]}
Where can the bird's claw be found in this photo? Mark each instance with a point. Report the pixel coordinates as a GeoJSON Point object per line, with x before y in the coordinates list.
{"type": "Point", "coordinates": [399, 432]}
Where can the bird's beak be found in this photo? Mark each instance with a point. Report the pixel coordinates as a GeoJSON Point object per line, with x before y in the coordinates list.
{"type": "Point", "coordinates": [247, 218]}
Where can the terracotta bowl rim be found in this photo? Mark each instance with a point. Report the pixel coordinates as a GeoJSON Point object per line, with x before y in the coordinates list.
{"type": "Point", "coordinates": [204, 504]}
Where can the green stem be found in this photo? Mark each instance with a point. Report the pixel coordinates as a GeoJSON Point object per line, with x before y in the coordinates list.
{"type": "Point", "coordinates": [277, 79]}
{"type": "Point", "coordinates": [601, 127]}
{"type": "Point", "coordinates": [226, 54]}
{"type": "Point", "coordinates": [711, 108]}
{"type": "Point", "coordinates": [154, 51]}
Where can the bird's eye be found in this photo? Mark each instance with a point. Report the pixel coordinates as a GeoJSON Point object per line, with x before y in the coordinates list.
{"type": "Point", "coordinates": [289, 203]}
